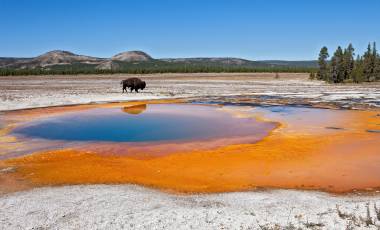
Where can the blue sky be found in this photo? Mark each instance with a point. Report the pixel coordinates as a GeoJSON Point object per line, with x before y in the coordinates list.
{"type": "Point", "coordinates": [253, 29]}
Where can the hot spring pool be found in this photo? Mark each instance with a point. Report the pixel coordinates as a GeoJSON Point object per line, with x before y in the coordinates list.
{"type": "Point", "coordinates": [144, 123]}
{"type": "Point", "coordinates": [192, 147]}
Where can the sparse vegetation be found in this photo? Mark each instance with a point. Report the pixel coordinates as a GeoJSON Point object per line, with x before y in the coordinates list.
{"type": "Point", "coordinates": [312, 76]}
{"type": "Point", "coordinates": [357, 221]}
{"type": "Point", "coordinates": [343, 68]}
{"type": "Point", "coordinates": [377, 211]}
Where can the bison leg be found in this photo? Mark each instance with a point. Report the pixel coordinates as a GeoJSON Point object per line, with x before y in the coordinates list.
{"type": "Point", "coordinates": [137, 90]}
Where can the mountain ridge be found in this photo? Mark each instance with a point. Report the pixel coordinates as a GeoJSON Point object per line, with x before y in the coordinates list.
{"type": "Point", "coordinates": [65, 60]}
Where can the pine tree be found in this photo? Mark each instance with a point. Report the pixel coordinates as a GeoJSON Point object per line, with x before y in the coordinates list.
{"type": "Point", "coordinates": [344, 68]}
{"type": "Point", "coordinates": [358, 71]}
{"type": "Point", "coordinates": [377, 68]}
{"type": "Point", "coordinates": [323, 72]}
{"type": "Point", "coordinates": [376, 64]}
{"type": "Point", "coordinates": [369, 63]}
{"type": "Point", "coordinates": [333, 76]}
{"type": "Point", "coordinates": [349, 61]}
{"type": "Point", "coordinates": [337, 66]}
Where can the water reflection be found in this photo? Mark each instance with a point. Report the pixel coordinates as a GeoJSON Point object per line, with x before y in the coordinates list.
{"type": "Point", "coordinates": [135, 109]}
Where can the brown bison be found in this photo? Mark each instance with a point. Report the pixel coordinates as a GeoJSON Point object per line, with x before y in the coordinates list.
{"type": "Point", "coordinates": [133, 83]}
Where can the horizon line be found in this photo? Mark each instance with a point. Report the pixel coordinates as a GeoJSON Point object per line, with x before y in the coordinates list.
{"type": "Point", "coordinates": [158, 58]}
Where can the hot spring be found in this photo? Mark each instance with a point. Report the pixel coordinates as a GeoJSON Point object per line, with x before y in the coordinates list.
{"type": "Point", "coordinates": [191, 148]}
{"type": "Point", "coordinates": [144, 123]}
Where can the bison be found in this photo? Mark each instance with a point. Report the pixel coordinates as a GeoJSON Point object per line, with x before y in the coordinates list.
{"type": "Point", "coordinates": [133, 84]}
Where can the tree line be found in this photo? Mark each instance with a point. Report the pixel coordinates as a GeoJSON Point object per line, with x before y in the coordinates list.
{"type": "Point", "coordinates": [343, 67]}
{"type": "Point", "coordinates": [154, 69]}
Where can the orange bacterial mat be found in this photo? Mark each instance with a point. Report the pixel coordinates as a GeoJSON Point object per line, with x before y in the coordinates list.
{"type": "Point", "coordinates": [275, 147]}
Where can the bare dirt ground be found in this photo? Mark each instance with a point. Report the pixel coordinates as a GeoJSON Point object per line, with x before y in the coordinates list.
{"type": "Point", "coordinates": [38, 91]}
{"type": "Point", "coordinates": [133, 207]}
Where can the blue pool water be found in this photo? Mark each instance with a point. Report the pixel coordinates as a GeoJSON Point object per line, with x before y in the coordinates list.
{"type": "Point", "coordinates": [162, 122]}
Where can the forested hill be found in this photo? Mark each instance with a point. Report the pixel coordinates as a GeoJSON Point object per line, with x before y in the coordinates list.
{"type": "Point", "coordinates": [65, 62]}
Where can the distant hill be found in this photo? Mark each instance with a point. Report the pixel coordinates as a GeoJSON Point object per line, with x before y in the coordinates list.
{"type": "Point", "coordinates": [47, 60]}
{"type": "Point", "coordinates": [132, 56]}
{"type": "Point", "coordinates": [61, 62]}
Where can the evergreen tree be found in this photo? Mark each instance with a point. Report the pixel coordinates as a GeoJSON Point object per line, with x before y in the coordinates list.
{"type": "Point", "coordinates": [323, 72]}
{"type": "Point", "coordinates": [376, 68]}
{"type": "Point", "coordinates": [343, 67]}
{"type": "Point", "coordinates": [374, 62]}
{"type": "Point", "coordinates": [349, 61]}
{"type": "Point", "coordinates": [333, 71]}
{"type": "Point", "coordinates": [358, 71]}
{"type": "Point", "coordinates": [337, 70]}
{"type": "Point", "coordinates": [369, 63]}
